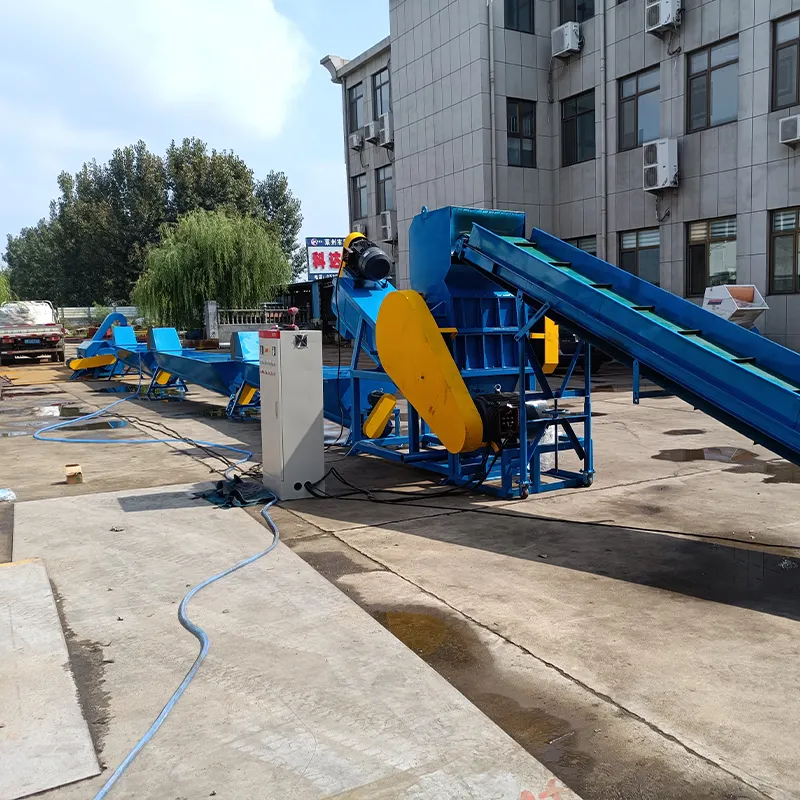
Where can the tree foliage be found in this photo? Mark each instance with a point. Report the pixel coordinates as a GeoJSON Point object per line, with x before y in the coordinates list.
{"type": "Point", "coordinates": [93, 246]}
{"type": "Point", "coordinates": [5, 288]}
{"type": "Point", "coordinates": [282, 209]}
{"type": "Point", "coordinates": [234, 259]}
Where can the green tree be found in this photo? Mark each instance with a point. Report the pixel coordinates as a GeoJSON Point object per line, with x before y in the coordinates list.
{"type": "Point", "coordinates": [34, 266]}
{"type": "Point", "coordinates": [236, 260]}
{"type": "Point", "coordinates": [94, 245]}
{"type": "Point", "coordinates": [282, 209]}
{"type": "Point", "coordinates": [199, 179]}
{"type": "Point", "coordinates": [5, 288]}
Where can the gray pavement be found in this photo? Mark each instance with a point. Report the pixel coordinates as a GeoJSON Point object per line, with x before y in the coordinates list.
{"type": "Point", "coordinates": [636, 637]}
{"type": "Point", "coordinates": [303, 695]}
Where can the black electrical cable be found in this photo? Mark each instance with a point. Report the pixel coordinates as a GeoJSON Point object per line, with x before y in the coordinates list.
{"type": "Point", "coordinates": [370, 494]}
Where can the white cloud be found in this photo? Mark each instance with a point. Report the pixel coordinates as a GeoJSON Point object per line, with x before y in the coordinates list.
{"type": "Point", "coordinates": [238, 61]}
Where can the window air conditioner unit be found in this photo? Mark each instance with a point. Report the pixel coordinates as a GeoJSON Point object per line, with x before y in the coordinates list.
{"type": "Point", "coordinates": [661, 15]}
{"type": "Point", "coordinates": [386, 131]}
{"type": "Point", "coordinates": [789, 131]}
{"type": "Point", "coordinates": [356, 141]}
{"type": "Point", "coordinates": [566, 39]}
{"type": "Point", "coordinates": [360, 227]}
{"type": "Point", "coordinates": [660, 165]}
{"type": "Point", "coordinates": [371, 132]}
{"type": "Point", "coordinates": [387, 229]}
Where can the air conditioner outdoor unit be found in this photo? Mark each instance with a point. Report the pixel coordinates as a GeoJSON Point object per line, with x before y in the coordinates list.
{"type": "Point", "coordinates": [360, 227]}
{"type": "Point", "coordinates": [661, 15]}
{"type": "Point", "coordinates": [789, 131]}
{"type": "Point", "coordinates": [660, 165]}
{"type": "Point", "coordinates": [371, 132]}
{"type": "Point", "coordinates": [387, 229]}
{"type": "Point", "coordinates": [356, 141]}
{"type": "Point", "coordinates": [566, 39]}
{"type": "Point", "coordinates": [386, 131]}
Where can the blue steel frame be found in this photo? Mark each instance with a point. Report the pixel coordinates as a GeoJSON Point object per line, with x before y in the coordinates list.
{"type": "Point", "coordinates": [505, 476]}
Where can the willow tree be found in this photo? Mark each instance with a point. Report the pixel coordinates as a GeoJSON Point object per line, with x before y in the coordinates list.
{"type": "Point", "coordinates": [210, 255]}
{"type": "Point", "coordinates": [5, 288]}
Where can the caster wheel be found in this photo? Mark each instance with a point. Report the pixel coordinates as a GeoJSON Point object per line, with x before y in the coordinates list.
{"type": "Point", "coordinates": [523, 494]}
{"type": "Point", "coordinates": [588, 480]}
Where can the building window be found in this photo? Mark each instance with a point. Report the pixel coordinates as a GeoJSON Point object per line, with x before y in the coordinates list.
{"type": "Point", "coordinates": [385, 187]}
{"type": "Point", "coordinates": [713, 90]}
{"type": "Point", "coordinates": [786, 65]}
{"type": "Point", "coordinates": [586, 243]}
{"type": "Point", "coordinates": [381, 97]}
{"type": "Point", "coordinates": [711, 255]}
{"type": "Point", "coordinates": [359, 196]}
{"type": "Point", "coordinates": [639, 109]}
{"type": "Point", "coordinates": [521, 133]}
{"type": "Point", "coordinates": [577, 128]}
{"type": "Point", "coordinates": [640, 254]}
{"type": "Point", "coordinates": [576, 10]}
{"type": "Point", "coordinates": [355, 107]}
{"type": "Point", "coordinates": [784, 249]}
{"type": "Point", "coordinates": [519, 15]}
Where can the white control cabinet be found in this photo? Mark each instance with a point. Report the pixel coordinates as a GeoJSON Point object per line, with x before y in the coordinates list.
{"type": "Point", "coordinates": [292, 427]}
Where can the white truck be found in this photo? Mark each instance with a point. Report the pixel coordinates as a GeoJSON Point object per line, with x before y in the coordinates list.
{"type": "Point", "coordinates": [30, 329]}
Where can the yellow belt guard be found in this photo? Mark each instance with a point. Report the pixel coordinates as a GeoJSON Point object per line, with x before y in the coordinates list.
{"type": "Point", "coordinates": [413, 353]}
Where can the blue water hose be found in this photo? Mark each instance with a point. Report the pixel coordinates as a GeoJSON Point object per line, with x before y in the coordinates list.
{"type": "Point", "coordinates": [202, 637]}
{"type": "Point", "coordinates": [183, 616]}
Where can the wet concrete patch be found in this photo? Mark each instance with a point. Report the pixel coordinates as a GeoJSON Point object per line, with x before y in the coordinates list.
{"type": "Point", "coordinates": [744, 462]}
{"type": "Point", "coordinates": [685, 432]}
{"type": "Point", "coordinates": [449, 645]}
{"type": "Point", "coordinates": [88, 664]}
{"type": "Point", "coordinates": [727, 455]}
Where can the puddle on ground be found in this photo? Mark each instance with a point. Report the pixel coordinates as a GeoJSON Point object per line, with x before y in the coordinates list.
{"type": "Point", "coordinates": [118, 390]}
{"type": "Point", "coordinates": [685, 432]}
{"type": "Point", "coordinates": [743, 461]}
{"type": "Point", "coordinates": [51, 415]}
{"type": "Point", "coordinates": [454, 651]}
{"type": "Point", "coordinates": [728, 455]}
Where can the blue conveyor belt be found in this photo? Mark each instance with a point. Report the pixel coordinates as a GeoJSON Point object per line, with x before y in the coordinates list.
{"type": "Point", "coordinates": [739, 377]}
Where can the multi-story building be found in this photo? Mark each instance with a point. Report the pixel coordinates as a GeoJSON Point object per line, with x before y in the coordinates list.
{"type": "Point", "coordinates": [369, 144]}
{"type": "Point", "coordinates": [485, 114]}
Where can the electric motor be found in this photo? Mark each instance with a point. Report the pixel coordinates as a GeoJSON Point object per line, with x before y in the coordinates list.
{"type": "Point", "coordinates": [364, 260]}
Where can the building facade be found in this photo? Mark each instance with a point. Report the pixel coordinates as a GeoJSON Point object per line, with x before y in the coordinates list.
{"type": "Point", "coordinates": [484, 115]}
{"type": "Point", "coordinates": [366, 98]}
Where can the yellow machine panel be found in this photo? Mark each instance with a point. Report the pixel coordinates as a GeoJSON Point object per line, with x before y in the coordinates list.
{"type": "Point", "coordinates": [92, 361]}
{"type": "Point", "coordinates": [375, 423]}
{"type": "Point", "coordinates": [414, 355]}
{"type": "Point", "coordinates": [550, 337]}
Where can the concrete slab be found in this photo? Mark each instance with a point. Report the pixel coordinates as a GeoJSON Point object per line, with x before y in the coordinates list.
{"type": "Point", "coordinates": [302, 695]}
{"type": "Point", "coordinates": [697, 638]}
{"type": "Point", "coordinates": [44, 740]}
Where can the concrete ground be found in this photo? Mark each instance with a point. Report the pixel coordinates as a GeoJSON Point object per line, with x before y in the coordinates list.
{"type": "Point", "coordinates": [638, 637]}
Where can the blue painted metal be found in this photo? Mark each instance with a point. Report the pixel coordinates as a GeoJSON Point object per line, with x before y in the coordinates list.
{"type": "Point", "coordinates": [99, 344]}
{"type": "Point", "coordinates": [745, 380]}
{"type": "Point", "coordinates": [492, 348]}
{"type": "Point", "coordinates": [485, 315]}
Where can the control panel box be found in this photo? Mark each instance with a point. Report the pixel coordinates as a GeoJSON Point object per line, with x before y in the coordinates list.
{"type": "Point", "coordinates": [292, 426]}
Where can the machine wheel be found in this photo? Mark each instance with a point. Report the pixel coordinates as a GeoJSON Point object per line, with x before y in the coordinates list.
{"type": "Point", "coordinates": [6, 361]}
{"type": "Point", "coordinates": [62, 354]}
{"type": "Point", "coordinates": [588, 480]}
{"type": "Point", "coordinates": [523, 494]}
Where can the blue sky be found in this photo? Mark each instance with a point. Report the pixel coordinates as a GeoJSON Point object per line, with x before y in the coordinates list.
{"type": "Point", "coordinates": [81, 77]}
